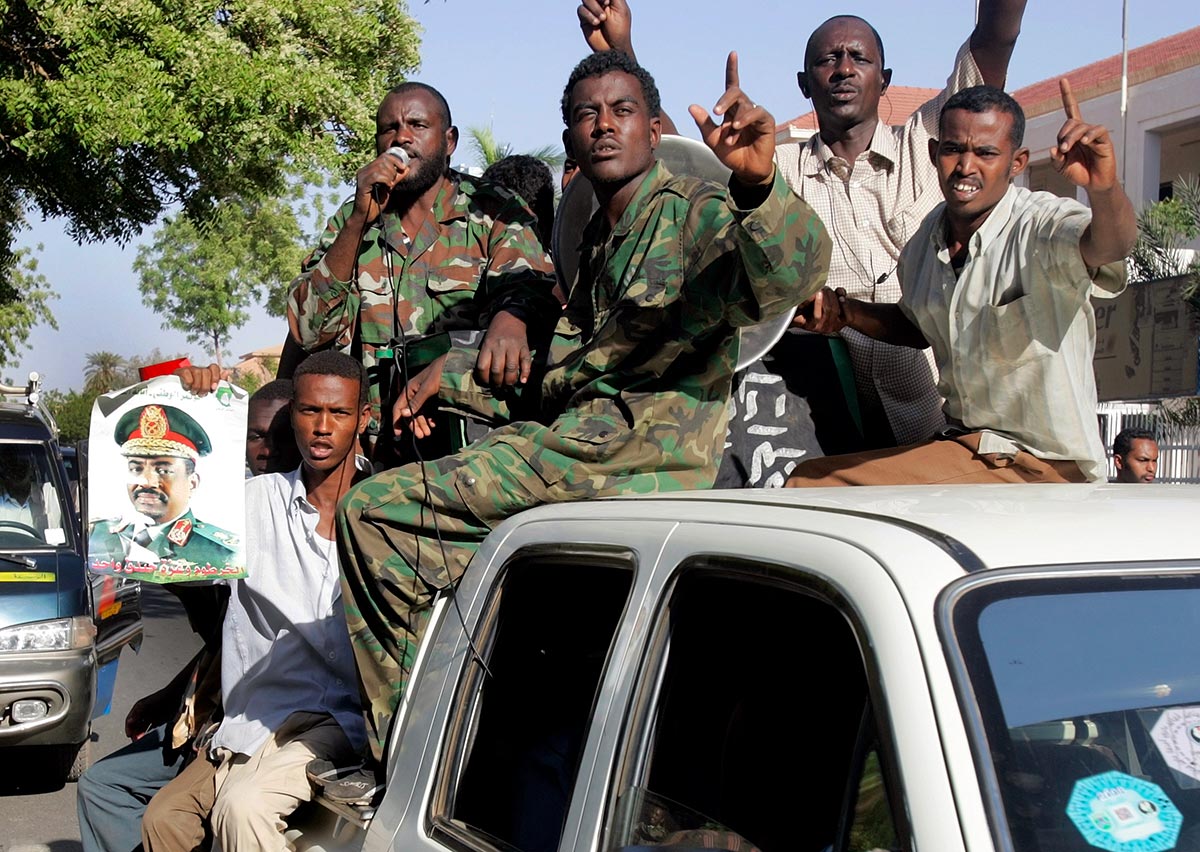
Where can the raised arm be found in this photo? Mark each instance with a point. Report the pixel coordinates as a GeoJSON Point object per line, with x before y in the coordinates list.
{"type": "Point", "coordinates": [608, 25]}
{"type": "Point", "coordinates": [994, 37]}
{"type": "Point", "coordinates": [1084, 155]}
{"type": "Point", "coordinates": [783, 248]}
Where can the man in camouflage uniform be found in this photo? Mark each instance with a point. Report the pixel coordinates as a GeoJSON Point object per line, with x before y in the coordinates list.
{"type": "Point", "coordinates": [162, 444]}
{"type": "Point", "coordinates": [421, 249]}
{"type": "Point", "coordinates": [634, 396]}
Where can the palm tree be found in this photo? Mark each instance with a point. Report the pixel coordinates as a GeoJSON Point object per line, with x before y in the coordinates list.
{"type": "Point", "coordinates": [489, 150]}
{"type": "Point", "coordinates": [1164, 227]}
{"type": "Point", "coordinates": [104, 371]}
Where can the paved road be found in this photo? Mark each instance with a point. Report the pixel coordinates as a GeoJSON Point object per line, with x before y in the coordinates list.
{"type": "Point", "coordinates": [37, 816]}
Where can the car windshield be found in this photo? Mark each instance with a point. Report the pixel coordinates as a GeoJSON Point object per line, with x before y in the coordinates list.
{"type": "Point", "coordinates": [31, 507]}
{"type": "Point", "coordinates": [1089, 695]}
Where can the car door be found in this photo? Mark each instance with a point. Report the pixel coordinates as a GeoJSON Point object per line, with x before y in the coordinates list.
{"type": "Point", "coordinates": [778, 701]}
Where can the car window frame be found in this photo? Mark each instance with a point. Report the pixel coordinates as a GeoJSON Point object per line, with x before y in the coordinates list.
{"type": "Point", "coordinates": [638, 724]}
{"type": "Point", "coordinates": [463, 719]}
{"type": "Point", "coordinates": [957, 601]}
{"type": "Point", "coordinates": [62, 490]}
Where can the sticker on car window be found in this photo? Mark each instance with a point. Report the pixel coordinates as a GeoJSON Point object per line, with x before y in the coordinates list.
{"type": "Point", "coordinates": [56, 536]}
{"type": "Point", "coordinates": [1120, 813]}
{"type": "Point", "coordinates": [1176, 732]}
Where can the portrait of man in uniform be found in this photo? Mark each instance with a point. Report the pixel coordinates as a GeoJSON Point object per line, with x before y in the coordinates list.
{"type": "Point", "coordinates": [161, 445]}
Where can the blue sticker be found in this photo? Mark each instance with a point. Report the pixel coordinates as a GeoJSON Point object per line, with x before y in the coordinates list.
{"type": "Point", "coordinates": [1120, 813]}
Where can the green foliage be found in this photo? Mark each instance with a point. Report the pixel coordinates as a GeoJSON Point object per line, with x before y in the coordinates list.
{"type": "Point", "coordinates": [73, 412]}
{"type": "Point", "coordinates": [115, 110]}
{"type": "Point", "coordinates": [106, 371]}
{"type": "Point", "coordinates": [202, 278]}
{"type": "Point", "coordinates": [1164, 227]}
{"type": "Point", "coordinates": [489, 150]}
{"type": "Point", "coordinates": [24, 301]}
{"type": "Point", "coordinates": [248, 381]}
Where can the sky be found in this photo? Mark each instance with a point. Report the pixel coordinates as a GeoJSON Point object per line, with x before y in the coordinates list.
{"type": "Point", "coordinates": [505, 63]}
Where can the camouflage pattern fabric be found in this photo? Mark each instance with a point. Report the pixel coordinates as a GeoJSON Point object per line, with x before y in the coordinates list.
{"type": "Point", "coordinates": [633, 401]}
{"type": "Point", "coordinates": [476, 254]}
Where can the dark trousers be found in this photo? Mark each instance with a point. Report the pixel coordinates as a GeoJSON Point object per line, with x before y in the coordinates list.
{"type": "Point", "coordinates": [112, 794]}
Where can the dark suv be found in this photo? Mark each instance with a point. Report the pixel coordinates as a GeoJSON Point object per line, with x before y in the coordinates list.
{"type": "Point", "coordinates": [61, 629]}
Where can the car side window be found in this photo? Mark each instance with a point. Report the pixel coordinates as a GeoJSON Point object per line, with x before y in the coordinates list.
{"type": "Point", "coordinates": [518, 733]}
{"type": "Point", "coordinates": [751, 727]}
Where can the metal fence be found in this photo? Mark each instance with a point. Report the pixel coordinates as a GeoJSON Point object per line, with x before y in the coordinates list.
{"type": "Point", "coordinates": [1178, 446]}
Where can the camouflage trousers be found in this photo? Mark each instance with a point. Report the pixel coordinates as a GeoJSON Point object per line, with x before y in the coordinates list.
{"type": "Point", "coordinates": [405, 535]}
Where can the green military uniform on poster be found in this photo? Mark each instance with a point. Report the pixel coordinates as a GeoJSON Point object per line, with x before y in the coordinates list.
{"type": "Point", "coordinates": [161, 535]}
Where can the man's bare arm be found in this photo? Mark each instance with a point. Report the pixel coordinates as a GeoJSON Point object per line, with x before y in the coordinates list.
{"type": "Point", "coordinates": [832, 310]}
{"type": "Point", "coordinates": [994, 37]}
{"type": "Point", "coordinates": [1084, 155]}
{"type": "Point", "coordinates": [608, 25]}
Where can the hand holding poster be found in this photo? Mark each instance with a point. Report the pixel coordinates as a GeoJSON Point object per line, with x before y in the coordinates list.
{"type": "Point", "coordinates": [152, 446]}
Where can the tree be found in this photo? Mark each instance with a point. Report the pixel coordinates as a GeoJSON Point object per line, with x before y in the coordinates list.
{"type": "Point", "coordinates": [489, 150]}
{"type": "Point", "coordinates": [104, 372]}
{"type": "Point", "coordinates": [111, 113]}
{"type": "Point", "coordinates": [1164, 227]}
{"type": "Point", "coordinates": [73, 413]}
{"type": "Point", "coordinates": [25, 300]}
{"type": "Point", "coordinates": [202, 278]}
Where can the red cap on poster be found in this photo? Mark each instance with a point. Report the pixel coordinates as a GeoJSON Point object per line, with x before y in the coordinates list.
{"type": "Point", "coordinates": [164, 368]}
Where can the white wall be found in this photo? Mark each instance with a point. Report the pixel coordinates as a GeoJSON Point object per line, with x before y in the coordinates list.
{"type": "Point", "coordinates": [1158, 110]}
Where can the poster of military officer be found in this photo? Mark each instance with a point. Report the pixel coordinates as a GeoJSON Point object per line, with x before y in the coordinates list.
{"type": "Point", "coordinates": [152, 446]}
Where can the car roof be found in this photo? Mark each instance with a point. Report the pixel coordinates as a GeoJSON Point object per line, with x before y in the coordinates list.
{"type": "Point", "coordinates": [1002, 525]}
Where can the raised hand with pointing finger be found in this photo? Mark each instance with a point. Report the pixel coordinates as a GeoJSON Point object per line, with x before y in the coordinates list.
{"type": "Point", "coordinates": [745, 140]}
{"type": "Point", "coordinates": [1084, 154]}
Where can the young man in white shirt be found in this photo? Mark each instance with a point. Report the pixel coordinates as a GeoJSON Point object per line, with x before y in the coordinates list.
{"type": "Point", "coordinates": [288, 683]}
{"type": "Point", "coordinates": [998, 281]}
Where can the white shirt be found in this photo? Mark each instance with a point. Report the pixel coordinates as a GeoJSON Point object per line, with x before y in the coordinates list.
{"type": "Point", "coordinates": [285, 646]}
{"type": "Point", "coordinates": [12, 510]}
{"type": "Point", "coordinates": [871, 212]}
{"type": "Point", "coordinates": [1014, 335]}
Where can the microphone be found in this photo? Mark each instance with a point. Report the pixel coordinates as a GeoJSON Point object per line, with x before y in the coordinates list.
{"type": "Point", "coordinates": [380, 190]}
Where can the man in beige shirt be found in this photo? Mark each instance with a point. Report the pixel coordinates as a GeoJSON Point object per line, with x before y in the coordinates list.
{"type": "Point", "coordinates": [872, 184]}
{"type": "Point", "coordinates": [998, 282]}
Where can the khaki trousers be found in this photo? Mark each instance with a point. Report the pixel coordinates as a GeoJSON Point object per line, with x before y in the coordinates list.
{"type": "Point", "coordinates": [241, 801]}
{"type": "Point", "coordinates": [949, 461]}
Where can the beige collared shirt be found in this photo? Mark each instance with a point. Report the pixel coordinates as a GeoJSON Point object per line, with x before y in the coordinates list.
{"type": "Point", "coordinates": [1014, 334]}
{"type": "Point", "coordinates": [871, 212]}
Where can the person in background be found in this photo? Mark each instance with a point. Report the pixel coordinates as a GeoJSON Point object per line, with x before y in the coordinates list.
{"type": "Point", "coordinates": [270, 444]}
{"type": "Point", "coordinates": [531, 180]}
{"type": "Point", "coordinates": [1135, 453]}
{"type": "Point", "coordinates": [20, 500]}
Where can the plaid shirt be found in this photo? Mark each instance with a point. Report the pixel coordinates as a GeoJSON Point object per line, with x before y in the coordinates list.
{"type": "Point", "coordinates": [871, 211]}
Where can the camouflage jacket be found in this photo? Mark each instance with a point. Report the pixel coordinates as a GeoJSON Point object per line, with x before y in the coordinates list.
{"type": "Point", "coordinates": [478, 253]}
{"type": "Point", "coordinates": [634, 398]}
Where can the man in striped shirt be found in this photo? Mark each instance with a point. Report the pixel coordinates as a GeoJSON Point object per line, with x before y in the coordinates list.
{"type": "Point", "coordinates": [998, 281]}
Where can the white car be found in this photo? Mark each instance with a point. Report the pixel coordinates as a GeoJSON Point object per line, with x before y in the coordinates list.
{"type": "Point", "coordinates": [1009, 667]}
